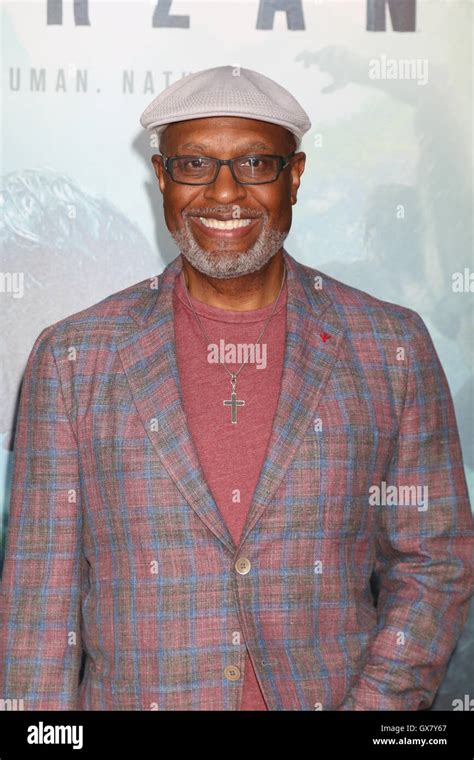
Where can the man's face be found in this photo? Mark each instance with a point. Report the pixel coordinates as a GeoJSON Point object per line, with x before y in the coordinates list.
{"type": "Point", "coordinates": [245, 248]}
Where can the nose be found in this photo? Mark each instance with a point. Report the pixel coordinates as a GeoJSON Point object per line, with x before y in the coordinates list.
{"type": "Point", "coordinates": [225, 189]}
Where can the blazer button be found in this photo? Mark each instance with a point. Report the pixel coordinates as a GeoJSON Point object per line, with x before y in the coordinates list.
{"type": "Point", "coordinates": [243, 565]}
{"type": "Point", "coordinates": [232, 672]}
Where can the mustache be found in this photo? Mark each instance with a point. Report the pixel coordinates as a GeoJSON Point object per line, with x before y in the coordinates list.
{"type": "Point", "coordinates": [247, 213]}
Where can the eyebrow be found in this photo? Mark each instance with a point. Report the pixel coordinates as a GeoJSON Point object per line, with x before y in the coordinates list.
{"type": "Point", "coordinates": [244, 149]}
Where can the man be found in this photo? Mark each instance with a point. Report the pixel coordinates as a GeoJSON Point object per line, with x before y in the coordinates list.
{"type": "Point", "coordinates": [210, 465]}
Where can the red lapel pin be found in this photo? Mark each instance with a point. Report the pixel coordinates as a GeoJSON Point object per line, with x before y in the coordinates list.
{"type": "Point", "coordinates": [324, 336]}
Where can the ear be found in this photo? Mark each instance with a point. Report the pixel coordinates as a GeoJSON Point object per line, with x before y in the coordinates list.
{"type": "Point", "coordinates": [297, 168]}
{"type": "Point", "coordinates": [157, 162]}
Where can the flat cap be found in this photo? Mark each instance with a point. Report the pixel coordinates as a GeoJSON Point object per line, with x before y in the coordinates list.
{"type": "Point", "coordinates": [226, 91]}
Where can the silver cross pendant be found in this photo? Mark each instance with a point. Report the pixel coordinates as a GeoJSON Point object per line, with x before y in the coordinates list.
{"type": "Point", "coordinates": [233, 402]}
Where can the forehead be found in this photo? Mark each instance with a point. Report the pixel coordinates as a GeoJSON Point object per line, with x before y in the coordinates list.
{"type": "Point", "coordinates": [225, 134]}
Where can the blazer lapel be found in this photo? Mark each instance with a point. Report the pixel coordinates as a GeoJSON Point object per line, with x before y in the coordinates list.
{"type": "Point", "coordinates": [149, 360]}
{"type": "Point", "coordinates": [314, 334]}
{"type": "Point", "coordinates": [148, 355]}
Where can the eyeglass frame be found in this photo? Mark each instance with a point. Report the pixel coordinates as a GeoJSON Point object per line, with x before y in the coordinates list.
{"type": "Point", "coordinates": [229, 162]}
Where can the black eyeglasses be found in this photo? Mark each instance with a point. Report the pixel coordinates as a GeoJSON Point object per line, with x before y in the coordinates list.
{"type": "Point", "coordinates": [255, 169]}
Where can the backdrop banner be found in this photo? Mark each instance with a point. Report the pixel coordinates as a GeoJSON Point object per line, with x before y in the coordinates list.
{"type": "Point", "coordinates": [385, 202]}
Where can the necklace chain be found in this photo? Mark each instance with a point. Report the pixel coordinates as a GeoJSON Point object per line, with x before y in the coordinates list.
{"type": "Point", "coordinates": [234, 375]}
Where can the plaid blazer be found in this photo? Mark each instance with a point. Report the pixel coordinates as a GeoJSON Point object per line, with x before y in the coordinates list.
{"type": "Point", "coordinates": [117, 549]}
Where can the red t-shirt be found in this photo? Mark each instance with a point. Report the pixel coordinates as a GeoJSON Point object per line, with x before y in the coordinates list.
{"type": "Point", "coordinates": [231, 455]}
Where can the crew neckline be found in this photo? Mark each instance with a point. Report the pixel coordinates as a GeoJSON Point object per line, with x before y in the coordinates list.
{"type": "Point", "coordinates": [227, 315]}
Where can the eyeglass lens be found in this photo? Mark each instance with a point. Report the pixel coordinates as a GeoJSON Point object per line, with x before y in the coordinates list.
{"type": "Point", "coordinates": [246, 168]}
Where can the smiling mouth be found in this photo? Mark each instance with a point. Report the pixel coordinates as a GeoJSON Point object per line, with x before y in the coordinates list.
{"type": "Point", "coordinates": [224, 228]}
{"type": "Point", "coordinates": [230, 224]}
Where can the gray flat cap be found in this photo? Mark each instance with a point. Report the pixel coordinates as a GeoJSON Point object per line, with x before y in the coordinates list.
{"type": "Point", "coordinates": [226, 91]}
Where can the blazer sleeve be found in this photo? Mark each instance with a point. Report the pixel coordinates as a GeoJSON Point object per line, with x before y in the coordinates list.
{"type": "Point", "coordinates": [40, 638]}
{"type": "Point", "coordinates": [424, 553]}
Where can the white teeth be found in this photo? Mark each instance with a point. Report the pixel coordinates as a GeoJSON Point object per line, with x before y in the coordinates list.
{"type": "Point", "coordinates": [231, 224]}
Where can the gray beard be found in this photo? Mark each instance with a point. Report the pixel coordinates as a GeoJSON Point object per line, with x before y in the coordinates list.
{"type": "Point", "coordinates": [222, 264]}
